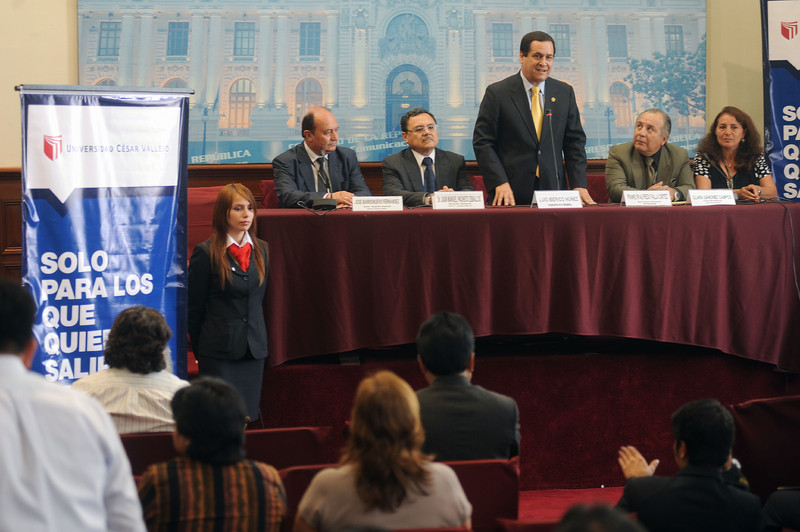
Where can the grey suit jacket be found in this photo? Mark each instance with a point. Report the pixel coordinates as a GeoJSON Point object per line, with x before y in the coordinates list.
{"type": "Point", "coordinates": [295, 178]}
{"type": "Point", "coordinates": [626, 169]}
{"type": "Point", "coordinates": [402, 176]}
{"type": "Point", "coordinates": [463, 421]}
{"type": "Point", "coordinates": [508, 150]}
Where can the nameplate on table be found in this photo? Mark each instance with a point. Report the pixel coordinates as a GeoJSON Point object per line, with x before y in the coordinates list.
{"type": "Point", "coordinates": [713, 196]}
{"type": "Point", "coordinates": [646, 198]}
{"type": "Point", "coordinates": [557, 199]}
{"type": "Point", "coordinates": [458, 199]}
{"type": "Point", "coordinates": [377, 203]}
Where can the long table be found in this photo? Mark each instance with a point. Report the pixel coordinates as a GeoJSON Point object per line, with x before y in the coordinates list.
{"type": "Point", "coordinates": [718, 277]}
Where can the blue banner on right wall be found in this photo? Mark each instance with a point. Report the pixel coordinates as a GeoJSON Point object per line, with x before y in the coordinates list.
{"type": "Point", "coordinates": [780, 25]}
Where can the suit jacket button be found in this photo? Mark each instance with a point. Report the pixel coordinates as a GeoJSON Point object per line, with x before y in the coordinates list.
{"type": "Point", "coordinates": [244, 277]}
{"type": "Point", "coordinates": [244, 319]}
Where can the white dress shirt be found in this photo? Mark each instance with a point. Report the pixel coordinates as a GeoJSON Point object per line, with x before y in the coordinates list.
{"type": "Point", "coordinates": [62, 465]}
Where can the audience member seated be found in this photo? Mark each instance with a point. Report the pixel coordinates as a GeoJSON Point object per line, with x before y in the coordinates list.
{"type": "Point", "coordinates": [597, 518]}
{"type": "Point", "coordinates": [62, 466]}
{"type": "Point", "coordinates": [697, 497]}
{"type": "Point", "coordinates": [138, 387]}
{"type": "Point", "coordinates": [462, 421]}
{"type": "Point", "coordinates": [782, 510]}
{"type": "Point", "coordinates": [731, 156]}
{"type": "Point", "coordinates": [383, 480]}
{"type": "Point", "coordinates": [210, 485]}
{"type": "Point", "coordinates": [649, 162]}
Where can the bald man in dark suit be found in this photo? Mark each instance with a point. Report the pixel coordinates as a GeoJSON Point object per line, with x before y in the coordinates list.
{"type": "Point", "coordinates": [318, 168]}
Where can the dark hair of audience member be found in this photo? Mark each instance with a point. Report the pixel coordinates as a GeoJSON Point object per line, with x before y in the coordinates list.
{"type": "Point", "coordinates": [17, 315]}
{"type": "Point", "coordinates": [385, 442]}
{"type": "Point", "coordinates": [445, 343]}
{"type": "Point", "coordinates": [211, 414]}
{"type": "Point", "coordinates": [539, 36]}
{"type": "Point", "coordinates": [411, 113]}
{"type": "Point", "coordinates": [218, 247]}
{"type": "Point", "coordinates": [749, 149]}
{"type": "Point", "coordinates": [597, 518]}
{"type": "Point", "coordinates": [706, 427]}
{"type": "Point", "coordinates": [137, 340]}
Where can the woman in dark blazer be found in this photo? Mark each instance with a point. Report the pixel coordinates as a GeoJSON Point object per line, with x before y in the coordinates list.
{"type": "Point", "coordinates": [227, 280]}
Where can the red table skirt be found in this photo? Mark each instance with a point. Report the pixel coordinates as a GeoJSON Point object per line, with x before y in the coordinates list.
{"type": "Point", "coordinates": [718, 277]}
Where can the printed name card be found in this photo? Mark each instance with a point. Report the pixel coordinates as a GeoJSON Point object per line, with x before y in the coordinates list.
{"type": "Point", "coordinates": [463, 199]}
{"type": "Point", "coordinates": [714, 196]}
{"type": "Point", "coordinates": [377, 203]}
{"type": "Point", "coordinates": [557, 199]}
{"type": "Point", "coordinates": [646, 198]}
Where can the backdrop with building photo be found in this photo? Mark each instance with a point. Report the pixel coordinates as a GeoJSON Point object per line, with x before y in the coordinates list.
{"type": "Point", "coordinates": [256, 66]}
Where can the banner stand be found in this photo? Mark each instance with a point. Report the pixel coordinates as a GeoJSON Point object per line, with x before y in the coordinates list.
{"type": "Point", "coordinates": [780, 22]}
{"type": "Point", "coordinates": [104, 217]}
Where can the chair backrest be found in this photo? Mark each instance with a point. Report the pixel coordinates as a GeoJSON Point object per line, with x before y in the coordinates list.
{"type": "Point", "coordinates": [596, 185]}
{"type": "Point", "coordinates": [285, 447]}
{"type": "Point", "coordinates": [528, 525]}
{"type": "Point", "coordinates": [478, 184]}
{"type": "Point", "coordinates": [145, 448]}
{"type": "Point", "coordinates": [296, 480]}
{"type": "Point", "coordinates": [280, 448]}
{"type": "Point", "coordinates": [766, 442]}
{"type": "Point", "coordinates": [269, 198]}
{"type": "Point", "coordinates": [492, 487]}
{"type": "Point", "coordinates": [199, 208]}
{"type": "Point", "coordinates": [439, 529]}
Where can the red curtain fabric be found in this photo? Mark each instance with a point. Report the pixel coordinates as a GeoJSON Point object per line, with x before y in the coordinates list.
{"type": "Point", "coordinates": [717, 277]}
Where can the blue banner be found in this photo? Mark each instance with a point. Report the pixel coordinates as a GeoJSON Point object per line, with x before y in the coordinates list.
{"type": "Point", "coordinates": [104, 218]}
{"type": "Point", "coordinates": [781, 89]}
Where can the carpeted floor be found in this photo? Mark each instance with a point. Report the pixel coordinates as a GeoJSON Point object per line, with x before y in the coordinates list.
{"type": "Point", "coordinates": [547, 505]}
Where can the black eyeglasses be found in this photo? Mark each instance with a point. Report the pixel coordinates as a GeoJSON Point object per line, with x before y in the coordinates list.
{"type": "Point", "coordinates": [421, 129]}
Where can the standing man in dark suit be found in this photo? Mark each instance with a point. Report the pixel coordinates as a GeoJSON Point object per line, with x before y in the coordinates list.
{"type": "Point", "coordinates": [697, 498]}
{"type": "Point", "coordinates": [648, 162]}
{"type": "Point", "coordinates": [316, 168]}
{"type": "Point", "coordinates": [420, 170]}
{"type": "Point", "coordinates": [462, 421]}
{"type": "Point", "coordinates": [518, 156]}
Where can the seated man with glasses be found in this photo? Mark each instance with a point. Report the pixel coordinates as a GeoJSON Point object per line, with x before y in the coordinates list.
{"type": "Point", "coordinates": [420, 170]}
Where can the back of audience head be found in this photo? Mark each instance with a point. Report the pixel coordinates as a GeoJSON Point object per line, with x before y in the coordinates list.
{"type": "Point", "coordinates": [596, 518]}
{"type": "Point", "coordinates": [138, 341]}
{"type": "Point", "coordinates": [17, 316]}
{"type": "Point", "coordinates": [705, 428]}
{"type": "Point", "coordinates": [385, 441]}
{"type": "Point", "coordinates": [210, 418]}
{"type": "Point", "coordinates": [446, 344]}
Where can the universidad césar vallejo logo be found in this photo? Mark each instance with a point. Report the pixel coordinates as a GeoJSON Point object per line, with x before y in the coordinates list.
{"type": "Point", "coordinates": [789, 30]}
{"type": "Point", "coordinates": [52, 146]}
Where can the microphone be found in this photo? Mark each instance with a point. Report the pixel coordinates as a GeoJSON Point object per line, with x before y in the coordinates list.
{"type": "Point", "coordinates": [549, 113]}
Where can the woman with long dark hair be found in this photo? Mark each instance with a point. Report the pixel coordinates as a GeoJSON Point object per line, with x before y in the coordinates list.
{"type": "Point", "coordinates": [384, 481]}
{"type": "Point", "coordinates": [227, 281]}
{"type": "Point", "coordinates": [731, 156]}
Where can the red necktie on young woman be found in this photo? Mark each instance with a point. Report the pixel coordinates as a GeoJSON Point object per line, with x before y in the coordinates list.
{"type": "Point", "coordinates": [241, 254]}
